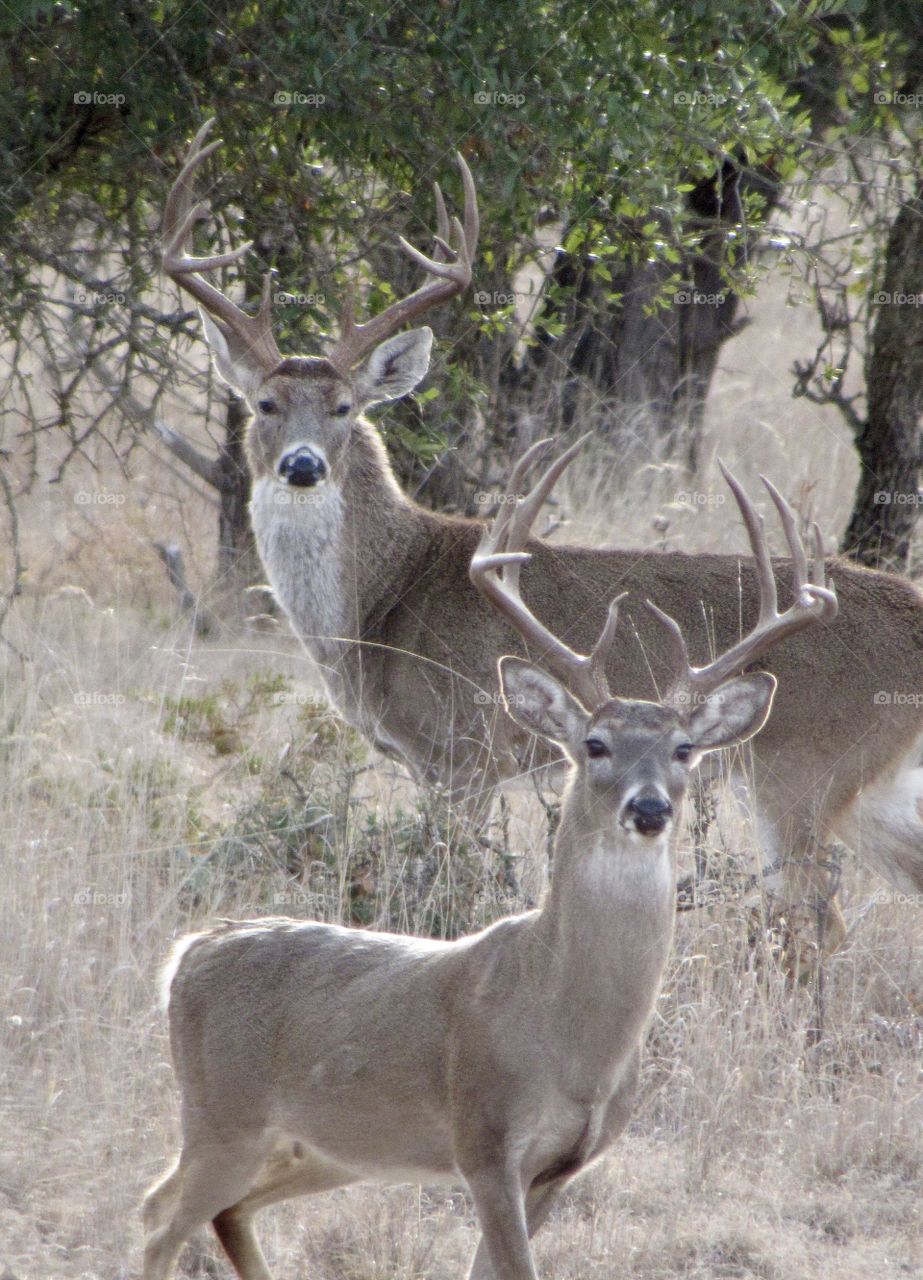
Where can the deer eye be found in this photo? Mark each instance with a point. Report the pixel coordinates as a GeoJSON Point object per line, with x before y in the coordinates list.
{"type": "Point", "coordinates": [683, 752]}
{"type": "Point", "coordinates": [595, 748]}
{"type": "Point", "coordinates": [342, 410]}
{"type": "Point", "coordinates": [266, 406]}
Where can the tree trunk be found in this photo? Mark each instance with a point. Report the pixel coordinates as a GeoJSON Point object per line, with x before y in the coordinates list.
{"type": "Point", "coordinates": [637, 374]}
{"type": "Point", "coordinates": [238, 562]}
{"type": "Point", "coordinates": [889, 443]}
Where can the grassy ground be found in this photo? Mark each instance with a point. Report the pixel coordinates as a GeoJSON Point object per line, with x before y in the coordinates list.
{"type": "Point", "coordinates": [153, 780]}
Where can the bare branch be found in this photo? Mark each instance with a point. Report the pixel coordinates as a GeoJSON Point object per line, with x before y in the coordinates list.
{"type": "Point", "coordinates": [206, 468]}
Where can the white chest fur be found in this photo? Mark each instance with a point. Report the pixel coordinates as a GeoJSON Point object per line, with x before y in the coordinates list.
{"type": "Point", "coordinates": [299, 534]}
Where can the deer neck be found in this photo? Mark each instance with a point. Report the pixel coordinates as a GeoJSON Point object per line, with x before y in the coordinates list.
{"type": "Point", "coordinates": [604, 932]}
{"type": "Point", "coordinates": [385, 532]}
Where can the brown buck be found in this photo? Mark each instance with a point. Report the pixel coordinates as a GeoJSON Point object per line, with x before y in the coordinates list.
{"type": "Point", "coordinates": [377, 589]}
{"type": "Point", "coordinates": [311, 1056]}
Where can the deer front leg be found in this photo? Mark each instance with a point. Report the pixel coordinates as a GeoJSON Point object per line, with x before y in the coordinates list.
{"type": "Point", "coordinates": [539, 1203]}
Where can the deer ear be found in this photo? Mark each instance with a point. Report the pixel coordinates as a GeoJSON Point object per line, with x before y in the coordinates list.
{"type": "Point", "coordinates": [394, 367]}
{"type": "Point", "coordinates": [235, 363]}
{"type": "Point", "coordinates": [541, 704]}
{"type": "Point", "coordinates": [733, 713]}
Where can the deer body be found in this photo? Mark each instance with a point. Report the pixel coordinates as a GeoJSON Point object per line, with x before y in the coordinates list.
{"type": "Point", "coordinates": [311, 1056]}
{"type": "Point", "coordinates": [415, 665]}
{"type": "Point", "coordinates": [353, 1083]}
{"type": "Point", "coordinates": [377, 590]}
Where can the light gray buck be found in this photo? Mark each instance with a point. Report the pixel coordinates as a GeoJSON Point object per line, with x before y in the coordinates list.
{"type": "Point", "coordinates": [377, 589]}
{"type": "Point", "coordinates": [311, 1056]}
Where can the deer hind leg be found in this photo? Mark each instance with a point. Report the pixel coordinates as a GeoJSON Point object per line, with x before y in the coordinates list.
{"type": "Point", "coordinates": [884, 827]}
{"type": "Point", "coordinates": [160, 1198]}
{"type": "Point", "coordinates": [805, 893]}
{"type": "Point", "coordinates": [202, 1185]}
{"type": "Point", "coordinates": [799, 878]}
{"type": "Point", "coordinates": [234, 1229]}
{"type": "Point", "coordinates": [282, 1179]}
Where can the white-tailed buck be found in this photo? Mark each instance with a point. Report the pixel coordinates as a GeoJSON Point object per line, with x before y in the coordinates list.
{"type": "Point", "coordinates": [311, 1056]}
{"type": "Point", "coordinates": [377, 589]}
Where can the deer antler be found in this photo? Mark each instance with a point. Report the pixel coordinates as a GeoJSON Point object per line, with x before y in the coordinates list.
{"type": "Point", "coordinates": [455, 245]}
{"type": "Point", "coordinates": [495, 570]}
{"type": "Point", "coordinates": [501, 553]}
{"type": "Point", "coordinates": [815, 600]}
{"type": "Point", "coordinates": [451, 265]}
{"type": "Point", "coordinates": [181, 214]}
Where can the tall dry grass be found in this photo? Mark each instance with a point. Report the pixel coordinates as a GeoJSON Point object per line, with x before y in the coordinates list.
{"type": "Point", "coordinates": [153, 780]}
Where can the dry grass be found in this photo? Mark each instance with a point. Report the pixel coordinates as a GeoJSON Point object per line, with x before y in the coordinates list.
{"type": "Point", "coordinates": [149, 781]}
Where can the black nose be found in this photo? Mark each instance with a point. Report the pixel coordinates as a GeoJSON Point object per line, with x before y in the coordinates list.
{"type": "Point", "coordinates": [649, 814]}
{"type": "Point", "coordinates": [302, 468]}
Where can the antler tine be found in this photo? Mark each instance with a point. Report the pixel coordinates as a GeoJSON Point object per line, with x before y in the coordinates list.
{"type": "Point", "coordinates": [814, 601]}
{"type": "Point", "coordinates": [495, 569]}
{"type": "Point", "coordinates": [819, 571]}
{"type": "Point", "coordinates": [520, 516]}
{"type": "Point", "coordinates": [181, 213]}
{"type": "Point", "coordinates": [456, 245]}
{"type": "Point", "coordinates": [180, 197]}
{"type": "Point", "coordinates": [792, 537]}
{"type": "Point", "coordinates": [756, 532]}
{"type": "Point", "coordinates": [496, 533]}
{"type": "Point", "coordinates": [199, 213]}
{"type": "Point", "coordinates": [680, 665]}
{"type": "Point", "coordinates": [801, 581]}
{"type": "Point", "coordinates": [512, 525]}
{"type": "Point", "coordinates": [443, 226]}
{"type": "Point", "coordinates": [472, 217]}
{"type": "Point", "coordinates": [467, 235]}
{"type": "Point", "coordinates": [599, 654]}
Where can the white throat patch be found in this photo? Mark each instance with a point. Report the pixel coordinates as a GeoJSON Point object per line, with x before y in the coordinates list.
{"type": "Point", "coordinates": [640, 869]}
{"type": "Point", "coordinates": [299, 537]}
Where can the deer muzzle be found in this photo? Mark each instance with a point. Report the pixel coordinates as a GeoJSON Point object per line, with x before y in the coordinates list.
{"type": "Point", "coordinates": [303, 468]}
{"type": "Point", "coordinates": [648, 812]}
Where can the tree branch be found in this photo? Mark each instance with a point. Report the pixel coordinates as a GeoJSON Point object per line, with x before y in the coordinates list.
{"type": "Point", "coordinates": [206, 468]}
